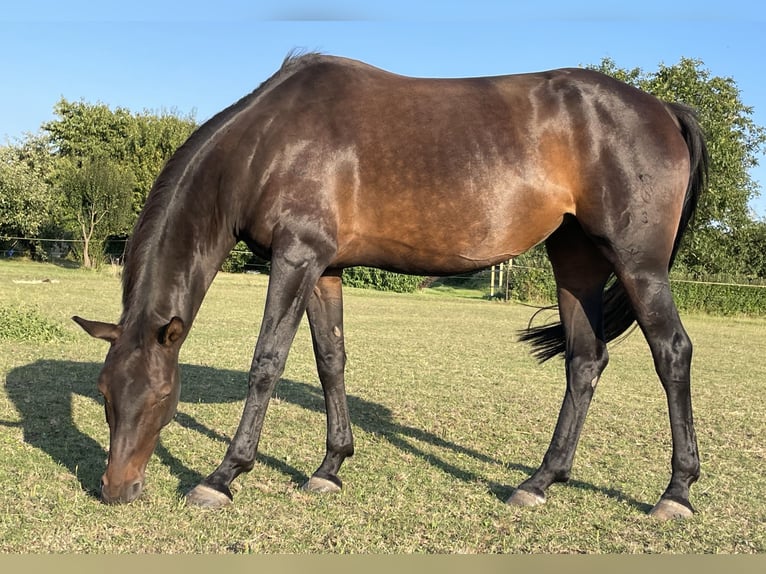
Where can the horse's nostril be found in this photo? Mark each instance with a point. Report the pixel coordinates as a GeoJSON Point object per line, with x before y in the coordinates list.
{"type": "Point", "coordinates": [104, 493]}
{"type": "Point", "coordinates": [135, 490]}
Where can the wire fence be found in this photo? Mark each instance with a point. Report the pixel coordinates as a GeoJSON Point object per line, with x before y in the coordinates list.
{"type": "Point", "coordinates": [496, 279]}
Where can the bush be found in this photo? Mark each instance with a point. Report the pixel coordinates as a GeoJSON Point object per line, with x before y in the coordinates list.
{"type": "Point", "coordinates": [241, 258]}
{"type": "Point", "coordinates": [531, 284]}
{"type": "Point", "coordinates": [236, 260]}
{"type": "Point", "coordinates": [719, 298]}
{"type": "Point", "coordinates": [531, 278]}
{"type": "Point", "coordinates": [537, 285]}
{"type": "Point", "coordinates": [371, 278]}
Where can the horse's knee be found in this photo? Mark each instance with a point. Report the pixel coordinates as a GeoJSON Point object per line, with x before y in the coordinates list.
{"type": "Point", "coordinates": [264, 373]}
{"type": "Point", "coordinates": [331, 365]}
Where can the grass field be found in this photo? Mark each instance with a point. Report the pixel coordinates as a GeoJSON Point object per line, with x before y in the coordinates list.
{"type": "Point", "coordinates": [450, 413]}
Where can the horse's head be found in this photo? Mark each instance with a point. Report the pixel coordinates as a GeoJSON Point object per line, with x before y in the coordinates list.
{"type": "Point", "coordinates": [140, 385]}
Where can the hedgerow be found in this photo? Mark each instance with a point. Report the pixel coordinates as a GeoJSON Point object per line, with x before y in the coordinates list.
{"type": "Point", "coordinates": [369, 277]}
{"type": "Point", "coordinates": [720, 298]}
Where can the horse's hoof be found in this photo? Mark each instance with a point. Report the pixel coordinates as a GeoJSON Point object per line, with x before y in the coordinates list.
{"type": "Point", "coordinates": [525, 498]}
{"type": "Point", "coordinates": [320, 485]}
{"type": "Point", "coordinates": [670, 509]}
{"type": "Point", "coordinates": [206, 497]}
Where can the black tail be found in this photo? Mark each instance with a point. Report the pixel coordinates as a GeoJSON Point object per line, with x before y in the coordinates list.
{"type": "Point", "coordinates": [548, 341]}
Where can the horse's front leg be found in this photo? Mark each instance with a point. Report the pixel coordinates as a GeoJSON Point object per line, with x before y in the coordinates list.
{"type": "Point", "coordinates": [294, 273]}
{"type": "Point", "coordinates": [325, 314]}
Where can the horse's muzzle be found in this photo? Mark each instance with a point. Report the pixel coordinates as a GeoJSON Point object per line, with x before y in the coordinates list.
{"type": "Point", "coordinates": [122, 494]}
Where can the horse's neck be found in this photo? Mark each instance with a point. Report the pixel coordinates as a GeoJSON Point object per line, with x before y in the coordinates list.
{"type": "Point", "coordinates": [185, 230]}
{"type": "Point", "coordinates": [172, 266]}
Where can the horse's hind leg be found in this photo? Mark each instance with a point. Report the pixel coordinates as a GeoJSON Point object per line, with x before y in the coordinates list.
{"type": "Point", "coordinates": [325, 314]}
{"type": "Point", "coordinates": [581, 273]}
{"type": "Point", "coordinates": [671, 348]}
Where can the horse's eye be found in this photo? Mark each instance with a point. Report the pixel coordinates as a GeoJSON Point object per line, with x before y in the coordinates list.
{"type": "Point", "coordinates": [106, 410]}
{"type": "Point", "coordinates": [161, 401]}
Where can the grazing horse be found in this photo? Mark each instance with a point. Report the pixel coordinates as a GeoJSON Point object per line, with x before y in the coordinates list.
{"type": "Point", "coordinates": [332, 163]}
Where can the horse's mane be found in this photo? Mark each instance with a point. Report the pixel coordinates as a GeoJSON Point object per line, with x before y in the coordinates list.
{"type": "Point", "coordinates": [154, 215]}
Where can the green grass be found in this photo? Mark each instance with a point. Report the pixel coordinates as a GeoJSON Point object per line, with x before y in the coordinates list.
{"type": "Point", "coordinates": [449, 411]}
{"type": "Point", "coordinates": [22, 323]}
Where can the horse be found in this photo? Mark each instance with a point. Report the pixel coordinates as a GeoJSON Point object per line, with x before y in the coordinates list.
{"type": "Point", "coordinates": [332, 163]}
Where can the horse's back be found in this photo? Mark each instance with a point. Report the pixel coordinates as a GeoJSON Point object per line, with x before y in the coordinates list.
{"type": "Point", "coordinates": [451, 174]}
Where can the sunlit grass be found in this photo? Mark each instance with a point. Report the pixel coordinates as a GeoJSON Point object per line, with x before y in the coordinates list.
{"type": "Point", "coordinates": [449, 411]}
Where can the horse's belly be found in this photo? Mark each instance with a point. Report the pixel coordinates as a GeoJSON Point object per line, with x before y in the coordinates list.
{"type": "Point", "coordinates": [453, 247]}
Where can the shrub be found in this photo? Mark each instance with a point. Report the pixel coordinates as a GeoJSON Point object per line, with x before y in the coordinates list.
{"type": "Point", "coordinates": [371, 278]}
{"type": "Point", "coordinates": [531, 278]}
{"type": "Point", "coordinates": [531, 284]}
{"type": "Point", "coordinates": [719, 298]}
{"type": "Point", "coordinates": [236, 260]}
{"type": "Point", "coordinates": [241, 258]}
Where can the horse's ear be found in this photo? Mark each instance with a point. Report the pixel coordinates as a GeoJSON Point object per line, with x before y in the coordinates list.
{"type": "Point", "coordinates": [171, 332]}
{"type": "Point", "coordinates": [106, 331]}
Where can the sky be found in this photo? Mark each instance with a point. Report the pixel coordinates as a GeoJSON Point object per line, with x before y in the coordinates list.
{"type": "Point", "coordinates": [197, 56]}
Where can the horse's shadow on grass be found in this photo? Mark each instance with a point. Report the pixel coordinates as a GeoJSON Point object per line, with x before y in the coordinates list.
{"type": "Point", "coordinates": [42, 393]}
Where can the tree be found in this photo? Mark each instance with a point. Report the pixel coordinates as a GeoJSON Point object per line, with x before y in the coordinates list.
{"type": "Point", "coordinates": [98, 195]}
{"type": "Point", "coordinates": [26, 202]}
{"type": "Point", "coordinates": [749, 248]}
{"type": "Point", "coordinates": [85, 131]}
{"type": "Point", "coordinates": [98, 152]}
{"type": "Point", "coordinates": [155, 138]}
{"type": "Point", "coordinates": [734, 143]}
{"type": "Point", "coordinates": [142, 143]}
{"type": "Point", "coordinates": [34, 151]}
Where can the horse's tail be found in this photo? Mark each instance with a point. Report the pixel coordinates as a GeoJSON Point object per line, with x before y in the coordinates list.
{"type": "Point", "coordinates": [549, 341]}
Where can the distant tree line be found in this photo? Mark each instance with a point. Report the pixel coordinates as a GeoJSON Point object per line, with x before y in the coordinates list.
{"type": "Point", "coordinates": [86, 174]}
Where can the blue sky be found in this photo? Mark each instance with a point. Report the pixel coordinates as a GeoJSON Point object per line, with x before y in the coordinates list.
{"type": "Point", "coordinates": [200, 56]}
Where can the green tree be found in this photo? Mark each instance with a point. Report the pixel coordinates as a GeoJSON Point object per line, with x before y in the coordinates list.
{"type": "Point", "coordinates": [26, 201]}
{"type": "Point", "coordinates": [35, 151]}
{"type": "Point", "coordinates": [98, 195]}
{"type": "Point", "coordinates": [155, 137]}
{"type": "Point", "coordinates": [84, 131]}
{"type": "Point", "coordinates": [749, 249]}
{"type": "Point", "coordinates": [142, 143]}
{"type": "Point", "coordinates": [734, 142]}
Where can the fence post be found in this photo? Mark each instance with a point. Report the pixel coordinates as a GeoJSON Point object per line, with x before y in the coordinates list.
{"type": "Point", "coordinates": [499, 276]}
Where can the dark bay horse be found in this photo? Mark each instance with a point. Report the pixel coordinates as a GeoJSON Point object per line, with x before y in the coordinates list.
{"type": "Point", "coordinates": [332, 163]}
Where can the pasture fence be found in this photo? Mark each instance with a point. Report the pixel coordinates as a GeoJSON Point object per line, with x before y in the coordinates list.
{"type": "Point", "coordinates": [508, 281]}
